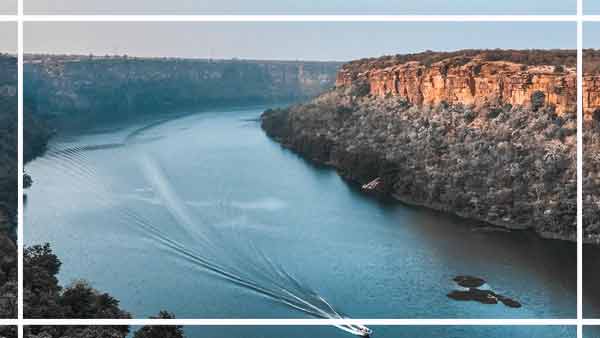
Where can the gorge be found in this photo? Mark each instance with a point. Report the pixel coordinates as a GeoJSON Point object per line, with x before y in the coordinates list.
{"type": "Point", "coordinates": [76, 90]}
{"type": "Point", "coordinates": [210, 186]}
{"type": "Point", "coordinates": [487, 135]}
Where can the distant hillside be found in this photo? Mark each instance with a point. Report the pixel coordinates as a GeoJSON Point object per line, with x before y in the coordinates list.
{"type": "Point", "coordinates": [108, 88]}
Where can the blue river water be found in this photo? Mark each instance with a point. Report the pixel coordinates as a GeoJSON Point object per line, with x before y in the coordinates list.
{"type": "Point", "coordinates": [387, 331]}
{"type": "Point", "coordinates": [204, 216]}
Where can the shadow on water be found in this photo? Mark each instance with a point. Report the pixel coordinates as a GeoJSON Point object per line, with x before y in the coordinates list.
{"type": "Point", "coordinates": [473, 244]}
{"type": "Point", "coordinates": [591, 281]}
{"type": "Point", "coordinates": [387, 332]}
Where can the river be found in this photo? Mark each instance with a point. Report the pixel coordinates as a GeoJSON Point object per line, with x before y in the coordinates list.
{"type": "Point", "coordinates": [205, 216]}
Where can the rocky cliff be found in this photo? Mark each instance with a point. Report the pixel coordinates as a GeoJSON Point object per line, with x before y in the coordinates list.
{"type": "Point", "coordinates": [109, 88]}
{"type": "Point", "coordinates": [473, 80]}
{"type": "Point", "coordinates": [591, 94]}
{"type": "Point", "coordinates": [488, 135]}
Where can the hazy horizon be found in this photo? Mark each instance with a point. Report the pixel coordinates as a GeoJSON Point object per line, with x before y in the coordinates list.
{"type": "Point", "coordinates": [267, 7]}
{"type": "Point", "coordinates": [8, 7]}
{"type": "Point", "coordinates": [287, 41]}
{"type": "Point", "coordinates": [591, 30]}
{"type": "Point", "coordinates": [591, 7]}
{"type": "Point", "coordinates": [8, 42]}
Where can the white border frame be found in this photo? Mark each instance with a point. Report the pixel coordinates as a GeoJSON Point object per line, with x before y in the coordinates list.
{"type": "Point", "coordinates": [579, 18]}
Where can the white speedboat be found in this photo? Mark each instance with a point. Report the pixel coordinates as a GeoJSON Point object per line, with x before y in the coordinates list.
{"type": "Point", "coordinates": [356, 329]}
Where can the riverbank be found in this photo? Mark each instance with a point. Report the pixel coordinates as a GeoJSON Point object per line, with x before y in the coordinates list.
{"type": "Point", "coordinates": [294, 214]}
{"type": "Point", "coordinates": [507, 165]}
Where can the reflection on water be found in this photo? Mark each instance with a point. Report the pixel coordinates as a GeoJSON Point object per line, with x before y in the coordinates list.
{"type": "Point", "coordinates": [216, 220]}
{"type": "Point", "coordinates": [591, 280]}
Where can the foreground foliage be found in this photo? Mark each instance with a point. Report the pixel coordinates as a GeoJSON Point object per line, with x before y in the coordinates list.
{"type": "Point", "coordinates": [45, 298]}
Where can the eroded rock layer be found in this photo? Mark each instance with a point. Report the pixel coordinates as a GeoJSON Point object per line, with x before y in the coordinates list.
{"type": "Point", "coordinates": [478, 82]}
{"type": "Point", "coordinates": [591, 94]}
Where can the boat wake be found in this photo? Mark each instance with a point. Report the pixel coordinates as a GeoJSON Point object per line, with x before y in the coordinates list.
{"type": "Point", "coordinates": [282, 287]}
{"type": "Point", "coordinates": [200, 243]}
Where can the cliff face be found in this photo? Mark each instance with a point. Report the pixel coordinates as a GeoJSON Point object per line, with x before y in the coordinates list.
{"type": "Point", "coordinates": [478, 83]}
{"type": "Point", "coordinates": [110, 88]}
{"type": "Point", "coordinates": [591, 94]}
{"type": "Point", "coordinates": [483, 139]}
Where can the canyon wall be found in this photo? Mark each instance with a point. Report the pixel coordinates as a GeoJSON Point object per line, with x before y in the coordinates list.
{"type": "Point", "coordinates": [591, 94]}
{"type": "Point", "coordinates": [114, 87]}
{"type": "Point", "coordinates": [490, 136]}
{"type": "Point", "coordinates": [478, 83]}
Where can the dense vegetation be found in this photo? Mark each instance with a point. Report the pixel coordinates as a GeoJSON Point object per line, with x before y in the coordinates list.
{"type": "Point", "coordinates": [8, 139]}
{"type": "Point", "coordinates": [88, 89]}
{"type": "Point", "coordinates": [508, 166]}
{"type": "Point", "coordinates": [45, 298]}
{"type": "Point", "coordinates": [8, 185]}
{"type": "Point", "coordinates": [36, 134]}
{"type": "Point", "coordinates": [591, 157]}
{"type": "Point", "coordinates": [8, 332]}
{"type": "Point", "coordinates": [63, 91]}
{"type": "Point", "coordinates": [173, 331]}
{"type": "Point", "coordinates": [525, 57]}
{"type": "Point", "coordinates": [591, 61]}
{"type": "Point", "coordinates": [591, 182]}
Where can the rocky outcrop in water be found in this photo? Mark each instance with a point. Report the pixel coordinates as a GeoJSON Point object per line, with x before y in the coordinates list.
{"type": "Point", "coordinates": [503, 159]}
{"type": "Point", "coordinates": [75, 88]}
{"type": "Point", "coordinates": [471, 291]}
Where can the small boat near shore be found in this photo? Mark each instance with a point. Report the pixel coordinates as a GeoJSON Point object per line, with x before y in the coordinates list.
{"type": "Point", "coordinates": [373, 184]}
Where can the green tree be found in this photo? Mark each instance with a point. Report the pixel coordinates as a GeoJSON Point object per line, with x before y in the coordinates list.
{"type": "Point", "coordinates": [174, 331]}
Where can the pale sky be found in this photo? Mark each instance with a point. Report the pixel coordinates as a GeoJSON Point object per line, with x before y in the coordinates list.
{"type": "Point", "coordinates": [591, 32]}
{"type": "Point", "coordinates": [301, 7]}
{"type": "Point", "coordinates": [8, 37]}
{"type": "Point", "coordinates": [591, 6]}
{"type": "Point", "coordinates": [288, 40]}
{"type": "Point", "coordinates": [8, 7]}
